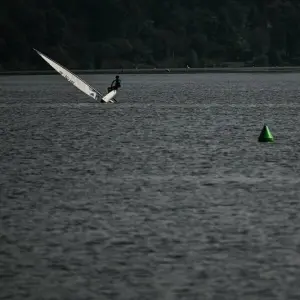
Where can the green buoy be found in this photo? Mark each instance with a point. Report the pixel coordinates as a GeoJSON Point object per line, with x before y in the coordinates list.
{"type": "Point", "coordinates": [265, 135]}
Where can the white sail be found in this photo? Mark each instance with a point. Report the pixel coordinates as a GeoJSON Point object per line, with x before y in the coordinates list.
{"type": "Point", "coordinates": [72, 78]}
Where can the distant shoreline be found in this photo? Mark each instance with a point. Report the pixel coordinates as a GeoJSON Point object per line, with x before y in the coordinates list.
{"type": "Point", "coordinates": [163, 71]}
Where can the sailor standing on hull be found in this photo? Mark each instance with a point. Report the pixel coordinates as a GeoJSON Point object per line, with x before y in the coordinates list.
{"type": "Point", "coordinates": [115, 85]}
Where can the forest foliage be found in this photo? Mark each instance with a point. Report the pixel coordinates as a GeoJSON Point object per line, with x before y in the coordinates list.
{"type": "Point", "coordinates": [95, 34]}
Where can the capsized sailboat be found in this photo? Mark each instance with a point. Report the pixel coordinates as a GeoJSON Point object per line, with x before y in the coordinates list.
{"type": "Point", "coordinates": [78, 82]}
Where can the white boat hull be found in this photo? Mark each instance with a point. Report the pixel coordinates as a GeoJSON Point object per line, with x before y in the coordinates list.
{"type": "Point", "coordinates": [109, 98]}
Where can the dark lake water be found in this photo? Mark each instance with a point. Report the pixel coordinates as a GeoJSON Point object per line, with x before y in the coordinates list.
{"type": "Point", "coordinates": [165, 195]}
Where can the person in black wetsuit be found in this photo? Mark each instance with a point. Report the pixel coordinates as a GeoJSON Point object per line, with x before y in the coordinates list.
{"type": "Point", "coordinates": [115, 85]}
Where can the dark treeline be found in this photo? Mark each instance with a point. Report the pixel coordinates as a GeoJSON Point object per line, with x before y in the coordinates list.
{"type": "Point", "coordinates": [94, 34]}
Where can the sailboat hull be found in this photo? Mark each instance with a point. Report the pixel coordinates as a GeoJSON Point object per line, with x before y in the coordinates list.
{"type": "Point", "coordinates": [109, 98]}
